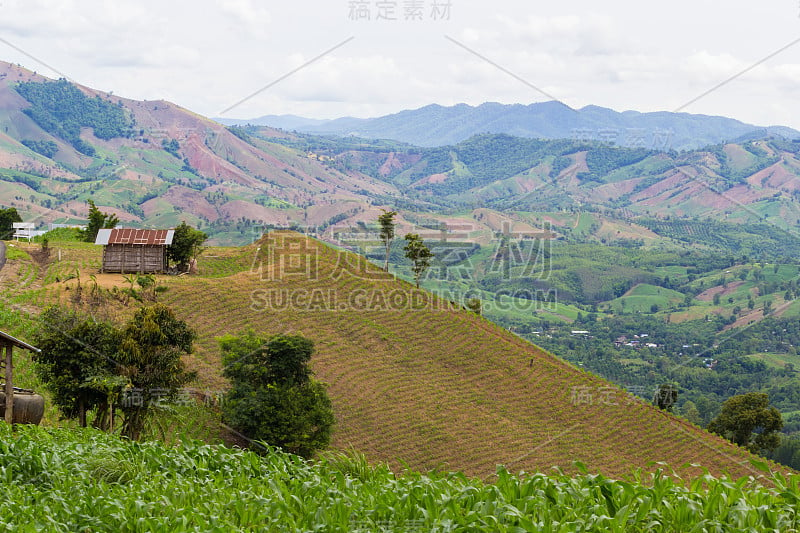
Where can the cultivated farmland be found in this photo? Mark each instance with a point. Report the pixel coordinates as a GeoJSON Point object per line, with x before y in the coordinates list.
{"type": "Point", "coordinates": [416, 380]}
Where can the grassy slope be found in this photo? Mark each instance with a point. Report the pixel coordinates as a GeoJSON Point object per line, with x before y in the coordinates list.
{"type": "Point", "coordinates": [641, 297]}
{"type": "Point", "coordinates": [446, 387]}
{"type": "Point", "coordinates": [437, 386]}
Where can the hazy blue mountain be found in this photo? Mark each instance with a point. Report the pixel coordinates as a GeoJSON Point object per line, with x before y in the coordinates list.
{"type": "Point", "coordinates": [435, 125]}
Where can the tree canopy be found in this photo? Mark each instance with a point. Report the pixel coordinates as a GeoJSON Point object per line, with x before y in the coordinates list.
{"type": "Point", "coordinates": [419, 254]}
{"type": "Point", "coordinates": [75, 352]}
{"type": "Point", "coordinates": [187, 244]}
{"type": "Point", "coordinates": [386, 221]}
{"type": "Point", "coordinates": [150, 357]}
{"type": "Point", "coordinates": [88, 364]}
{"type": "Point", "coordinates": [273, 397]}
{"type": "Point", "coordinates": [666, 396]}
{"type": "Point", "coordinates": [749, 421]}
{"type": "Point", "coordinates": [7, 219]}
{"type": "Point", "coordinates": [61, 109]}
{"type": "Point", "coordinates": [97, 221]}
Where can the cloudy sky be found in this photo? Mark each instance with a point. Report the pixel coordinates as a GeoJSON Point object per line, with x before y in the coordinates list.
{"type": "Point", "coordinates": [327, 59]}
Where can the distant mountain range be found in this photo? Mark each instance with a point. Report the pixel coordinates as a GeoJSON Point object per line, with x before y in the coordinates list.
{"type": "Point", "coordinates": [749, 181]}
{"type": "Point", "coordinates": [154, 164]}
{"type": "Point", "coordinates": [435, 125]}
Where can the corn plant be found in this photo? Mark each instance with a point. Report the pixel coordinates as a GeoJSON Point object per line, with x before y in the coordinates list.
{"type": "Point", "coordinates": [86, 480]}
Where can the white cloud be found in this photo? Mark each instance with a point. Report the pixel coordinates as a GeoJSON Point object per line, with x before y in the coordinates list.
{"type": "Point", "coordinates": [205, 55]}
{"type": "Point", "coordinates": [249, 15]}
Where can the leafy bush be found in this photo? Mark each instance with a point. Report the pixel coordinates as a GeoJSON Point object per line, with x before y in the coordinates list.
{"type": "Point", "coordinates": [187, 244]}
{"type": "Point", "coordinates": [172, 146]}
{"type": "Point", "coordinates": [273, 397]}
{"type": "Point", "coordinates": [86, 364]}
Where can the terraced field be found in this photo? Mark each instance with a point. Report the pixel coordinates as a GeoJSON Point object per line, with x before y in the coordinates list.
{"type": "Point", "coordinates": [419, 381]}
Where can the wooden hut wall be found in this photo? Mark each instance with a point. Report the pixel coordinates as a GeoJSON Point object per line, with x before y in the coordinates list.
{"type": "Point", "coordinates": [134, 258]}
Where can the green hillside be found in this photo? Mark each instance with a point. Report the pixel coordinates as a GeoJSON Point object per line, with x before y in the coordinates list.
{"type": "Point", "coordinates": [414, 379]}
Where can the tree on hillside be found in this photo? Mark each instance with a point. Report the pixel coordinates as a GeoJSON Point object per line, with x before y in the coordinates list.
{"type": "Point", "coordinates": [77, 354]}
{"type": "Point", "coordinates": [666, 396]}
{"type": "Point", "coordinates": [273, 397]}
{"type": "Point", "coordinates": [7, 219]}
{"type": "Point", "coordinates": [149, 356]}
{"type": "Point", "coordinates": [692, 413]}
{"type": "Point", "coordinates": [88, 365]}
{"type": "Point", "coordinates": [386, 220]}
{"type": "Point", "coordinates": [749, 421]}
{"type": "Point", "coordinates": [187, 244]}
{"type": "Point", "coordinates": [98, 221]}
{"type": "Point", "coordinates": [419, 255]}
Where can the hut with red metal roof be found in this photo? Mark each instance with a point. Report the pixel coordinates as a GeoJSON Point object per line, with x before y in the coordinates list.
{"type": "Point", "coordinates": [141, 251]}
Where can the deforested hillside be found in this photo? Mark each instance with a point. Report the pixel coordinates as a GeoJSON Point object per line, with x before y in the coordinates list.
{"type": "Point", "coordinates": [418, 380]}
{"type": "Point", "coordinates": [414, 379]}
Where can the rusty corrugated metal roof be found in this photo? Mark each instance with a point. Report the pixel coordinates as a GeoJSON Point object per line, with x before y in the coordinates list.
{"type": "Point", "coordinates": [143, 237]}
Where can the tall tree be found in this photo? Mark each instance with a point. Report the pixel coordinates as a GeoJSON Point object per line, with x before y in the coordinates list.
{"type": "Point", "coordinates": [386, 221]}
{"type": "Point", "coordinates": [149, 356]}
{"type": "Point", "coordinates": [77, 353]}
{"type": "Point", "coordinates": [187, 244]}
{"type": "Point", "coordinates": [749, 421]}
{"type": "Point", "coordinates": [97, 221]}
{"type": "Point", "coordinates": [419, 255]}
{"type": "Point", "coordinates": [89, 365]}
{"type": "Point", "coordinates": [273, 397]}
{"type": "Point", "coordinates": [7, 219]}
{"type": "Point", "coordinates": [475, 305]}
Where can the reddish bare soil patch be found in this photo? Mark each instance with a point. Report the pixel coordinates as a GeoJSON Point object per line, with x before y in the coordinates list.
{"type": "Point", "coordinates": [391, 163]}
{"type": "Point", "coordinates": [433, 178]}
{"type": "Point", "coordinates": [187, 199]}
{"type": "Point", "coordinates": [757, 315]}
{"type": "Point", "coordinates": [777, 176]}
{"type": "Point", "coordinates": [708, 294]}
{"type": "Point", "coordinates": [609, 191]}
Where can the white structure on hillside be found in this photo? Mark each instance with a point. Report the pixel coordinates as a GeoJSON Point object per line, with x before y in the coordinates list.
{"type": "Point", "coordinates": [76, 226]}
{"type": "Point", "coordinates": [24, 230]}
